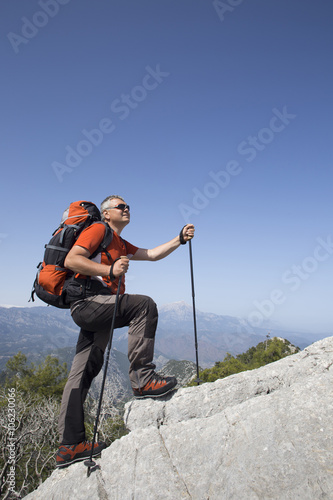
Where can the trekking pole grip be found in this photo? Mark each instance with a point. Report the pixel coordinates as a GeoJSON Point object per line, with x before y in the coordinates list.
{"type": "Point", "coordinates": [111, 275]}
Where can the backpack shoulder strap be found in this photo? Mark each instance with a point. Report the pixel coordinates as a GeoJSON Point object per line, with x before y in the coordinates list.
{"type": "Point", "coordinates": [108, 236]}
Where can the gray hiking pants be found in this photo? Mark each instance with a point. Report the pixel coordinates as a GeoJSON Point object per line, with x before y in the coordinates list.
{"type": "Point", "coordinates": [94, 315]}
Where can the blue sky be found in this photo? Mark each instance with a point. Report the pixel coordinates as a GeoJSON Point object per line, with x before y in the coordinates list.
{"type": "Point", "coordinates": [218, 113]}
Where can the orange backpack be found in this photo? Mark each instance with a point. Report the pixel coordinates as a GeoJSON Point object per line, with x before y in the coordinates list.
{"type": "Point", "coordinates": [52, 277]}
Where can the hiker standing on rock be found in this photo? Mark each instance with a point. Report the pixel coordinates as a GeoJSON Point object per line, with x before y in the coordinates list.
{"type": "Point", "coordinates": [99, 278]}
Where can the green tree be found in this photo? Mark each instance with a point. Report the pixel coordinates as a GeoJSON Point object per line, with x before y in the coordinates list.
{"type": "Point", "coordinates": [29, 413]}
{"type": "Point", "coordinates": [265, 352]}
{"type": "Point", "coordinates": [17, 366]}
{"type": "Point", "coordinates": [222, 369]}
{"type": "Point", "coordinates": [47, 379]}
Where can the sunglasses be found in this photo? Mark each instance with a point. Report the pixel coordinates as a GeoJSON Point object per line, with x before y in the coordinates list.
{"type": "Point", "coordinates": [121, 206]}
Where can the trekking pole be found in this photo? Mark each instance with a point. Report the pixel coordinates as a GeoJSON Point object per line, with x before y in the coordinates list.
{"type": "Point", "coordinates": [194, 314]}
{"type": "Point", "coordinates": [90, 462]}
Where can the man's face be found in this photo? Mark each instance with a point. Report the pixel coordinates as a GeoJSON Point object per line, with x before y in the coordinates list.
{"type": "Point", "coordinates": [118, 212]}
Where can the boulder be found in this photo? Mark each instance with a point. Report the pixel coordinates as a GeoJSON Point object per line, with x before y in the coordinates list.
{"type": "Point", "coordinates": [260, 434]}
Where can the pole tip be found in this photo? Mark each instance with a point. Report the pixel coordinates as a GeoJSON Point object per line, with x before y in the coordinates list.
{"type": "Point", "coordinates": [89, 464]}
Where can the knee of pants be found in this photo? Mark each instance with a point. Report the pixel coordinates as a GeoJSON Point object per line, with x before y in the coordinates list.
{"type": "Point", "coordinates": [152, 317]}
{"type": "Point", "coordinates": [152, 307]}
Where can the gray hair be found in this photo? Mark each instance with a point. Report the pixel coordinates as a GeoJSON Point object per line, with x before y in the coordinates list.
{"type": "Point", "coordinates": [105, 203]}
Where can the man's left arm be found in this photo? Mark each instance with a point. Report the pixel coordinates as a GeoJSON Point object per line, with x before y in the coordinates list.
{"type": "Point", "coordinates": [161, 251]}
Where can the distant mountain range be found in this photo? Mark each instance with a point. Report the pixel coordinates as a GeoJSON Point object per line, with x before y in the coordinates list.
{"type": "Point", "coordinates": [41, 329]}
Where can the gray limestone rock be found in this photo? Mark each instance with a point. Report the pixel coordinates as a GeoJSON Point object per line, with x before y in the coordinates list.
{"type": "Point", "coordinates": [262, 434]}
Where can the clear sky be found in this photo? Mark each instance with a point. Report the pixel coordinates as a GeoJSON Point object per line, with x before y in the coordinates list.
{"type": "Point", "coordinates": [218, 113]}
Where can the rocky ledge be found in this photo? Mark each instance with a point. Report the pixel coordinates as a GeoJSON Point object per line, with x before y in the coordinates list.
{"type": "Point", "coordinates": [262, 434]}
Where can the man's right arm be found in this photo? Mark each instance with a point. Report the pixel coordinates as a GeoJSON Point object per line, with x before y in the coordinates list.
{"type": "Point", "coordinates": [78, 261]}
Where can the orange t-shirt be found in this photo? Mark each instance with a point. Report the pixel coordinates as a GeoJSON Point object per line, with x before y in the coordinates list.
{"type": "Point", "coordinates": [91, 238]}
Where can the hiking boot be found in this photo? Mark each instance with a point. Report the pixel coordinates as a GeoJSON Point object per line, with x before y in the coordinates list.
{"type": "Point", "coordinates": [68, 454]}
{"type": "Point", "coordinates": [156, 387]}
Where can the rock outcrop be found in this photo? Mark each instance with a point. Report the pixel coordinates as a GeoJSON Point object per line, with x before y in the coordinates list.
{"type": "Point", "coordinates": [261, 434]}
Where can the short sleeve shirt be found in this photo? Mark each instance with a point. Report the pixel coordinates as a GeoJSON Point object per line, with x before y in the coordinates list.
{"type": "Point", "coordinates": [91, 238]}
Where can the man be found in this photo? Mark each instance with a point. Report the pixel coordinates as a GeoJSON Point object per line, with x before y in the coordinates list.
{"type": "Point", "coordinates": [98, 277]}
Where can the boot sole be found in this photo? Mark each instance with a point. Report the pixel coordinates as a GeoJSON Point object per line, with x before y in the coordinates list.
{"type": "Point", "coordinates": [155, 396]}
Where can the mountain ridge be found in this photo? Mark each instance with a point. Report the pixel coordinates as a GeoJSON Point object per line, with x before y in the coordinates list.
{"type": "Point", "coordinates": [44, 329]}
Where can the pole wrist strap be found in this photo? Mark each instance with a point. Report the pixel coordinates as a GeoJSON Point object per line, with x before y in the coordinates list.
{"type": "Point", "coordinates": [181, 237]}
{"type": "Point", "coordinates": [111, 275]}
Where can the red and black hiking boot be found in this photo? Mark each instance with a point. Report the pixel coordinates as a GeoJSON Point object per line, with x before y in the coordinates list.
{"type": "Point", "coordinates": [157, 386]}
{"type": "Point", "coordinates": [68, 454]}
